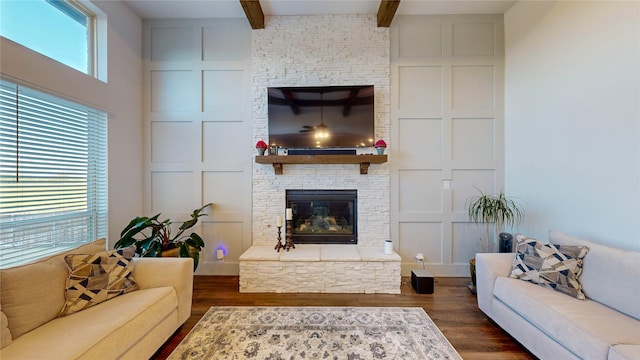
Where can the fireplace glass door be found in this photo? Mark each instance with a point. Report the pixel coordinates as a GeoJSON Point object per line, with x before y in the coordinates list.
{"type": "Point", "coordinates": [323, 216]}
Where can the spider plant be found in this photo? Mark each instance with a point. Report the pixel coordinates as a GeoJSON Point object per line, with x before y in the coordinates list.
{"type": "Point", "coordinates": [494, 211]}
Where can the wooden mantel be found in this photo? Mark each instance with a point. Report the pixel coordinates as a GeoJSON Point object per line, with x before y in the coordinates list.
{"type": "Point", "coordinates": [364, 160]}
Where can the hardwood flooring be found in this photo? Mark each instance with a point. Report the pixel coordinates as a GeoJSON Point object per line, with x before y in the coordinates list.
{"type": "Point", "coordinates": [452, 307]}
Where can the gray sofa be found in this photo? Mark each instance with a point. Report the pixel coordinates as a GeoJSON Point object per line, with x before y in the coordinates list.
{"type": "Point", "coordinates": [553, 325]}
{"type": "Point", "coordinates": [129, 326]}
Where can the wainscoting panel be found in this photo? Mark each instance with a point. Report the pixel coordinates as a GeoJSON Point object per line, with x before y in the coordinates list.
{"type": "Point", "coordinates": [223, 145]}
{"type": "Point", "coordinates": [419, 38]}
{"type": "Point", "coordinates": [473, 88]}
{"type": "Point", "coordinates": [467, 183]}
{"type": "Point", "coordinates": [473, 39]}
{"type": "Point", "coordinates": [172, 43]}
{"type": "Point", "coordinates": [172, 192]}
{"type": "Point", "coordinates": [473, 140]}
{"type": "Point", "coordinates": [165, 133]}
{"type": "Point", "coordinates": [172, 91]}
{"type": "Point", "coordinates": [224, 97]}
{"type": "Point", "coordinates": [421, 91]}
{"type": "Point", "coordinates": [198, 131]}
{"type": "Point", "coordinates": [419, 143]}
{"type": "Point", "coordinates": [421, 237]}
{"type": "Point", "coordinates": [429, 196]}
{"type": "Point", "coordinates": [447, 121]}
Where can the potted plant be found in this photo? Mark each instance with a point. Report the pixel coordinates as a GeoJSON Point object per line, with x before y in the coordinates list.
{"type": "Point", "coordinates": [153, 237]}
{"type": "Point", "coordinates": [380, 145]}
{"type": "Point", "coordinates": [494, 211]}
{"type": "Point", "coordinates": [261, 147]}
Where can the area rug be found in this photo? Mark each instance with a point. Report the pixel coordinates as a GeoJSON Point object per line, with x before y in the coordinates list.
{"type": "Point", "coordinates": [351, 333]}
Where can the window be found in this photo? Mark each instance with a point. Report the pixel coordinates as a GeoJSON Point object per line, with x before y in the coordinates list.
{"type": "Point", "coordinates": [53, 174]}
{"type": "Point", "coordinates": [62, 30]}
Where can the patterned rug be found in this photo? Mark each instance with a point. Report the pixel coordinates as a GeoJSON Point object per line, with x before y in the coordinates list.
{"type": "Point", "coordinates": [351, 333]}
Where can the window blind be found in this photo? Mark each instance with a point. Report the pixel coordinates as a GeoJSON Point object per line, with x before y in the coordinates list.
{"type": "Point", "coordinates": [53, 174]}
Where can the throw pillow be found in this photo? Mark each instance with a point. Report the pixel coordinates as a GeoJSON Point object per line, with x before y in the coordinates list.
{"type": "Point", "coordinates": [557, 267]}
{"type": "Point", "coordinates": [97, 278]}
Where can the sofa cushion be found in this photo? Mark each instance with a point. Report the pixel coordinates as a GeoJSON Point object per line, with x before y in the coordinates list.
{"type": "Point", "coordinates": [33, 294]}
{"type": "Point", "coordinates": [107, 330]}
{"type": "Point", "coordinates": [554, 266]}
{"type": "Point", "coordinates": [6, 333]}
{"type": "Point", "coordinates": [95, 278]}
{"type": "Point", "coordinates": [624, 352]}
{"type": "Point", "coordinates": [584, 327]}
{"type": "Point", "coordinates": [610, 276]}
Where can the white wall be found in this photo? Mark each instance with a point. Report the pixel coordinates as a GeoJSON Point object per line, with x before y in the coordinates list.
{"type": "Point", "coordinates": [573, 118]}
{"type": "Point", "coordinates": [121, 97]}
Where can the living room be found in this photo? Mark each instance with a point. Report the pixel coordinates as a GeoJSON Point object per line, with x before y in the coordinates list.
{"type": "Point", "coordinates": [554, 88]}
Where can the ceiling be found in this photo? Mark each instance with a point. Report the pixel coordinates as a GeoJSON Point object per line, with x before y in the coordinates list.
{"type": "Point", "coordinates": [198, 9]}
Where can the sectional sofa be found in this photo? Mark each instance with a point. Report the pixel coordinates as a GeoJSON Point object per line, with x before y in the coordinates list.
{"type": "Point", "coordinates": [554, 325]}
{"type": "Point", "coordinates": [129, 326]}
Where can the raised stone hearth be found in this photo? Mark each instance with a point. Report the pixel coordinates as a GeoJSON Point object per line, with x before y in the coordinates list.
{"type": "Point", "coordinates": [320, 269]}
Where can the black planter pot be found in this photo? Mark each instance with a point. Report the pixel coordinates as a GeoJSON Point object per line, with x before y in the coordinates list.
{"type": "Point", "coordinates": [505, 244]}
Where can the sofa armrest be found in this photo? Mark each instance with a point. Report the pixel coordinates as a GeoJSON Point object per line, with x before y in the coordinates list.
{"type": "Point", "coordinates": [175, 272]}
{"type": "Point", "coordinates": [488, 267]}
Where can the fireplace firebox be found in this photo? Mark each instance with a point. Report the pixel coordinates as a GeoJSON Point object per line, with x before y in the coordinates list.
{"type": "Point", "coordinates": [324, 216]}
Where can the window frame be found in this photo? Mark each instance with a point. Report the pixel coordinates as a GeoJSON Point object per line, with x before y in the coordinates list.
{"type": "Point", "coordinates": [68, 8]}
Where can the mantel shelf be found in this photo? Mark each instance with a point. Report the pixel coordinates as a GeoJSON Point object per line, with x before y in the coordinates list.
{"type": "Point", "coordinates": [364, 160]}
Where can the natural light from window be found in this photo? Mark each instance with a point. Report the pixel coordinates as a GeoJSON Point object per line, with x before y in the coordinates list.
{"type": "Point", "coordinates": [55, 28]}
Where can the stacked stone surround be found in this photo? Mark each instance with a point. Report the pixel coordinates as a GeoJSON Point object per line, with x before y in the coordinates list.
{"type": "Point", "coordinates": [320, 269]}
{"type": "Point", "coordinates": [319, 51]}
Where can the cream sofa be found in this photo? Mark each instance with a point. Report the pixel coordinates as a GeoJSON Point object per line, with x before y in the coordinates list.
{"type": "Point", "coordinates": [553, 325]}
{"type": "Point", "coordinates": [129, 326]}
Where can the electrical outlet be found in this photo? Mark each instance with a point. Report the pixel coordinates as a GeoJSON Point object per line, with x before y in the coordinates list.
{"type": "Point", "coordinates": [419, 258]}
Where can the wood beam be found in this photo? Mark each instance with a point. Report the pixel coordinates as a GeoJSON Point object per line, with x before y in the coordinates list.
{"type": "Point", "coordinates": [254, 13]}
{"type": "Point", "coordinates": [386, 11]}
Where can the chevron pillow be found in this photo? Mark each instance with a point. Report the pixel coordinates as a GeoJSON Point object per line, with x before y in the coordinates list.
{"type": "Point", "coordinates": [97, 278]}
{"type": "Point", "coordinates": [557, 267]}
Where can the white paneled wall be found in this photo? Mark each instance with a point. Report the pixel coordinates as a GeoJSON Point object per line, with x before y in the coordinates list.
{"type": "Point", "coordinates": [438, 103]}
{"type": "Point", "coordinates": [447, 126]}
{"type": "Point", "coordinates": [198, 130]}
{"type": "Point", "coordinates": [313, 51]}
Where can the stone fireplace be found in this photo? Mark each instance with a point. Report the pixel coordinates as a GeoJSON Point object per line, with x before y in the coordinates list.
{"type": "Point", "coordinates": [321, 50]}
{"type": "Point", "coordinates": [324, 216]}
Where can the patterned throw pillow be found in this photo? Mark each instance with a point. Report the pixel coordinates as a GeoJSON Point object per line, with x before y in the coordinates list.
{"type": "Point", "coordinates": [97, 278]}
{"type": "Point", "coordinates": [557, 267]}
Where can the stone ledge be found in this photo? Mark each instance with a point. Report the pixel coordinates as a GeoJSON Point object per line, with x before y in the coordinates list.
{"type": "Point", "coordinates": [319, 253]}
{"type": "Point", "coordinates": [320, 269]}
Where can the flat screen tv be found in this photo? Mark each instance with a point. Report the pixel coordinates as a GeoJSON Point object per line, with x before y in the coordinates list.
{"type": "Point", "coordinates": [309, 117]}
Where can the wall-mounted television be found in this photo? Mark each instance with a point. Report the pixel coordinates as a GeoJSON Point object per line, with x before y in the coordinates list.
{"type": "Point", "coordinates": [306, 117]}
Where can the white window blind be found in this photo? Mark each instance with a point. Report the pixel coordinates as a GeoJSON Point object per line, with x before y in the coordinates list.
{"type": "Point", "coordinates": [53, 174]}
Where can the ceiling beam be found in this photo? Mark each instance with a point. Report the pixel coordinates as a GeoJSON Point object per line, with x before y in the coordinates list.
{"type": "Point", "coordinates": [386, 11]}
{"type": "Point", "coordinates": [254, 13]}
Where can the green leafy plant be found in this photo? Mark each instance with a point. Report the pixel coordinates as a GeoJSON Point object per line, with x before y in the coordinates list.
{"type": "Point", "coordinates": [152, 237]}
{"type": "Point", "coordinates": [494, 210]}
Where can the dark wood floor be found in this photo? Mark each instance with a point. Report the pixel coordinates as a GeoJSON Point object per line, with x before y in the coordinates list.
{"type": "Point", "coordinates": [452, 307]}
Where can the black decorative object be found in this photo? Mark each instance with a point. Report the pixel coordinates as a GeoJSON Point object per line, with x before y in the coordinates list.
{"type": "Point", "coordinates": [506, 243]}
{"type": "Point", "coordinates": [279, 245]}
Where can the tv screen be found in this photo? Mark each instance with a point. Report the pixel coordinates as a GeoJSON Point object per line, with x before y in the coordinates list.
{"type": "Point", "coordinates": [321, 116]}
